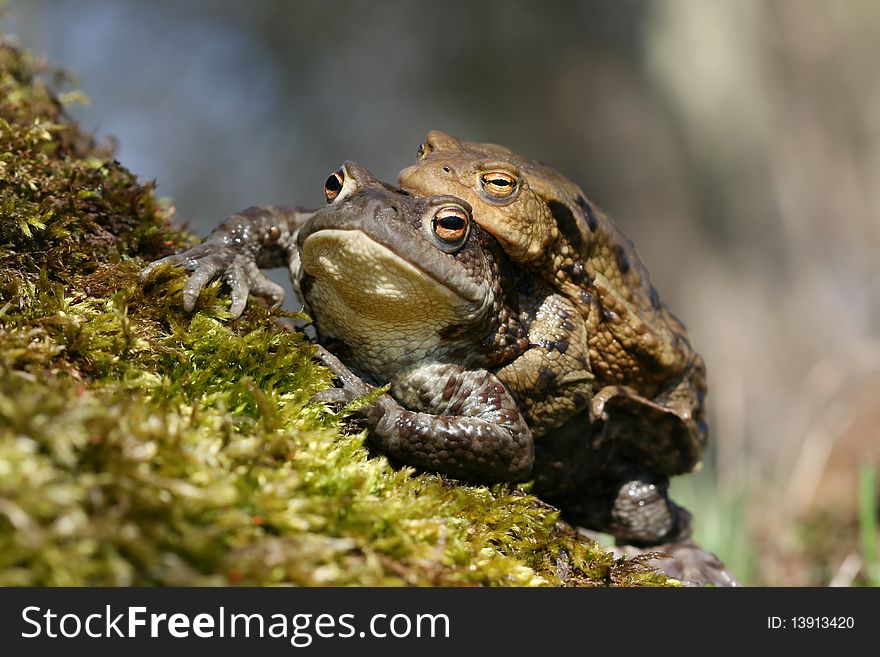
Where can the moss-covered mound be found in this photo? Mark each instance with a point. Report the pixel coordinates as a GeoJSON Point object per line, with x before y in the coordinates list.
{"type": "Point", "coordinates": [141, 445]}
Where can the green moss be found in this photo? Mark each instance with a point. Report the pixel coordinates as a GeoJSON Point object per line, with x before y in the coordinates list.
{"type": "Point", "coordinates": [141, 445]}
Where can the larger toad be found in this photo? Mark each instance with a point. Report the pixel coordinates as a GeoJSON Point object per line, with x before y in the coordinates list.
{"type": "Point", "coordinates": [489, 367]}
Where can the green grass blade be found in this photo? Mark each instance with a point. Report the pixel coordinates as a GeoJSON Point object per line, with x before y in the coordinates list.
{"type": "Point", "coordinates": [868, 522]}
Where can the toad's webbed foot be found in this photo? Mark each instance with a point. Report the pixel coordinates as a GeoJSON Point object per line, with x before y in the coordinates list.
{"type": "Point", "coordinates": [687, 562]}
{"type": "Point", "coordinates": [235, 251]}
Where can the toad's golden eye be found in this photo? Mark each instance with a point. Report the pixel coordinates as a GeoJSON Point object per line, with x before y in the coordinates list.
{"type": "Point", "coordinates": [451, 224]}
{"type": "Point", "coordinates": [333, 185]}
{"type": "Point", "coordinates": [424, 151]}
{"type": "Point", "coordinates": [498, 184]}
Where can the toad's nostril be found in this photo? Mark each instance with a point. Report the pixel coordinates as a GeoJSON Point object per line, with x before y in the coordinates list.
{"type": "Point", "coordinates": [447, 170]}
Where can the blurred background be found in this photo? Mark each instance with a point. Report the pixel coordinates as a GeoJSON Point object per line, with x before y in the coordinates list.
{"type": "Point", "coordinates": [736, 142]}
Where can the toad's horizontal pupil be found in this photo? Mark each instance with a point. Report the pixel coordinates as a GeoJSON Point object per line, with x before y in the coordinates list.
{"type": "Point", "coordinates": [452, 222]}
{"type": "Point", "coordinates": [333, 184]}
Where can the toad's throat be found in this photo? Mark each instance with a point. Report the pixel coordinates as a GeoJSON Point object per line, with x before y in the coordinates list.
{"type": "Point", "coordinates": [375, 283]}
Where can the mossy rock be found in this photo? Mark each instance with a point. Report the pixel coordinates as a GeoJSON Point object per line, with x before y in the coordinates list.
{"type": "Point", "coordinates": [140, 445]}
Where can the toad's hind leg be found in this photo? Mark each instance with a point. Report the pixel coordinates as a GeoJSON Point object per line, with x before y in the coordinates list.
{"type": "Point", "coordinates": [662, 437]}
{"type": "Point", "coordinates": [604, 486]}
{"type": "Point", "coordinates": [631, 506]}
{"type": "Point", "coordinates": [643, 514]}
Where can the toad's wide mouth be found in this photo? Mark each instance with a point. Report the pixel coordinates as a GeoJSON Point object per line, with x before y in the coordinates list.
{"type": "Point", "coordinates": [374, 280]}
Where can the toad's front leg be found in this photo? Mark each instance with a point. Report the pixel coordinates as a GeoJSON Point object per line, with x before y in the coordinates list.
{"type": "Point", "coordinates": [445, 418]}
{"type": "Point", "coordinates": [255, 238]}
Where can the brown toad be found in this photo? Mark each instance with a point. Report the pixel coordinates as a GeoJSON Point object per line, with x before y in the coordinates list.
{"type": "Point", "coordinates": [650, 383]}
{"type": "Point", "coordinates": [488, 365]}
